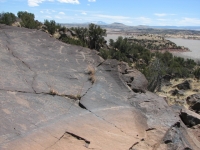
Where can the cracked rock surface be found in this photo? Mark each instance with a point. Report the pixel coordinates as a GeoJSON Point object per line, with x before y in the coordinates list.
{"type": "Point", "coordinates": [48, 103]}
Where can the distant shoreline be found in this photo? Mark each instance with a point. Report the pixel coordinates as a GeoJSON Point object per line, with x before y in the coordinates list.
{"type": "Point", "coordinates": [182, 38]}
{"type": "Point", "coordinates": [171, 50]}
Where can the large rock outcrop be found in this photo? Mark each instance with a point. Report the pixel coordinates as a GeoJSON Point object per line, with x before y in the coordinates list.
{"type": "Point", "coordinates": [194, 102]}
{"type": "Point", "coordinates": [48, 102]}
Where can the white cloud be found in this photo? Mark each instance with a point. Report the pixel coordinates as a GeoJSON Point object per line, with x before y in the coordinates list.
{"type": "Point", "coordinates": [58, 17]}
{"type": "Point", "coordinates": [33, 3]}
{"type": "Point", "coordinates": [178, 21]}
{"type": "Point", "coordinates": [112, 17]}
{"type": "Point", "coordinates": [189, 22]}
{"type": "Point", "coordinates": [48, 17]}
{"type": "Point", "coordinates": [61, 13]}
{"type": "Point", "coordinates": [143, 20]}
{"type": "Point", "coordinates": [161, 19]}
{"type": "Point", "coordinates": [70, 1]}
{"type": "Point", "coordinates": [84, 13]}
{"type": "Point", "coordinates": [91, 0]}
{"type": "Point", "coordinates": [163, 14]}
{"type": "Point", "coordinates": [160, 15]}
{"type": "Point", "coordinates": [41, 12]}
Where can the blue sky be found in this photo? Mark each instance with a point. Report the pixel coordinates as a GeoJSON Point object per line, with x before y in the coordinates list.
{"type": "Point", "coordinates": [129, 12]}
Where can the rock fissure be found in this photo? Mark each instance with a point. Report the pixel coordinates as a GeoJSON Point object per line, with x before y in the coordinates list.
{"type": "Point", "coordinates": [78, 137]}
{"type": "Point", "coordinates": [87, 142]}
{"type": "Point", "coordinates": [150, 129]}
{"type": "Point", "coordinates": [32, 83]}
{"type": "Point", "coordinates": [84, 107]}
{"type": "Point", "coordinates": [100, 64]}
{"type": "Point", "coordinates": [86, 92]}
{"type": "Point", "coordinates": [19, 91]}
{"type": "Point", "coordinates": [12, 53]}
{"type": "Point", "coordinates": [131, 148]}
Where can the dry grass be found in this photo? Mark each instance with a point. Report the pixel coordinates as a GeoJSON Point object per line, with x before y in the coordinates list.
{"type": "Point", "coordinates": [91, 71]}
{"type": "Point", "coordinates": [74, 97]}
{"type": "Point", "coordinates": [177, 99]}
{"type": "Point", "coordinates": [77, 96]}
{"type": "Point", "coordinates": [92, 78]}
{"type": "Point", "coordinates": [53, 92]}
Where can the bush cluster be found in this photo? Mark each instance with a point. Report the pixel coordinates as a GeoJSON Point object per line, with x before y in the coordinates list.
{"type": "Point", "coordinates": [153, 65]}
{"type": "Point", "coordinates": [28, 20]}
{"type": "Point", "coordinates": [7, 18]}
{"type": "Point", "coordinates": [91, 37]}
{"type": "Point", "coordinates": [52, 26]}
{"type": "Point", "coordinates": [122, 50]}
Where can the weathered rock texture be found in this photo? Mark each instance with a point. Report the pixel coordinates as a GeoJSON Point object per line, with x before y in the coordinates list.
{"type": "Point", "coordinates": [194, 102]}
{"type": "Point", "coordinates": [41, 83]}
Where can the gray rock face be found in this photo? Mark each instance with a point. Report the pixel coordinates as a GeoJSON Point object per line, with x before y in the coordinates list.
{"type": "Point", "coordinates": [190, 118]}
{"type": "Point", "coordinates": [184, 86]}
{"type": "Point", "coordinates": [194, 102]}
{"type": "Point", "coordinates": [176, 92]}
{"type": "Point", "coordinates": [173, 138]}
{"type": "Point", "coordinates": [48, 102]}
{"type": "Point", "coordinates": [136, 80]}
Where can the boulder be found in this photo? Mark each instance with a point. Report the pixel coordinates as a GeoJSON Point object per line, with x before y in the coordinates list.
{"type": "Point", "coordinates": [176, 92]}
{"type": "Point", "coordinates": [194, 102]}
{"type": "Point", "coordinates": [136, 80]}
{"type": "Point", "coordinates": [167, 77]}
{"type": "Point", "coordinates": [174, 140]}
{"type": "Point", "coordinates": [68, 33]}
{"type": "Point", "coordinates": [16, 24]}
{"type": "Point", "coordinates": [73, 33]}
{"type": "Point", "coordinates": [123, 67]}
{"type": "Point", "coordinates": [133, 78]}
{"type": "Point", "coordinates": [184, 86]}
{"type": "Point", "coordinates": [189, 118]}
{"type": "Point", "coordinates": [43, 27]}
{"type": "Point", "coordinates": [61, 32]}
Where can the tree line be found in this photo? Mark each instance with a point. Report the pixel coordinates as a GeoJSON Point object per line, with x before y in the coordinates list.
{"type": "Point", "coordinates": [91, 37]}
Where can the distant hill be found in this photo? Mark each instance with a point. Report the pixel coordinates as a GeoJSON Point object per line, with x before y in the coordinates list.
{"type": "Point", "coordinates": [142, 29]}
{"type": "Point", "coordinates": [100, 23]}
{"type": "Point", "coordinates": [177, 27]}
{"type": "Point", "coordinates": [117, 24]}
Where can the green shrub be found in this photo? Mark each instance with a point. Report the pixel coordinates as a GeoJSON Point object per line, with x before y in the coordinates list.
{"type": "Point", "coordinates": [52, 26]}
{"type": "Point", "coordinates": [197, 73]}
{"type": "Point", "coordinates": [72, 41]}
{"type": "Point", "coordinates": [7, 18]}
{"type": "Point", "coordinates": [104, 53]}
{"type": "Point", "coordinates": [95, 35]}
{"type": "Point", "coordinates": [27, 19]}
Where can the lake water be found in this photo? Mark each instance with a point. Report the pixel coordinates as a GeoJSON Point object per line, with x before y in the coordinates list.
{"type": "Point", "coordinates": [112, 36]}
{"type": "Point", "coordinates": [193, 45]}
